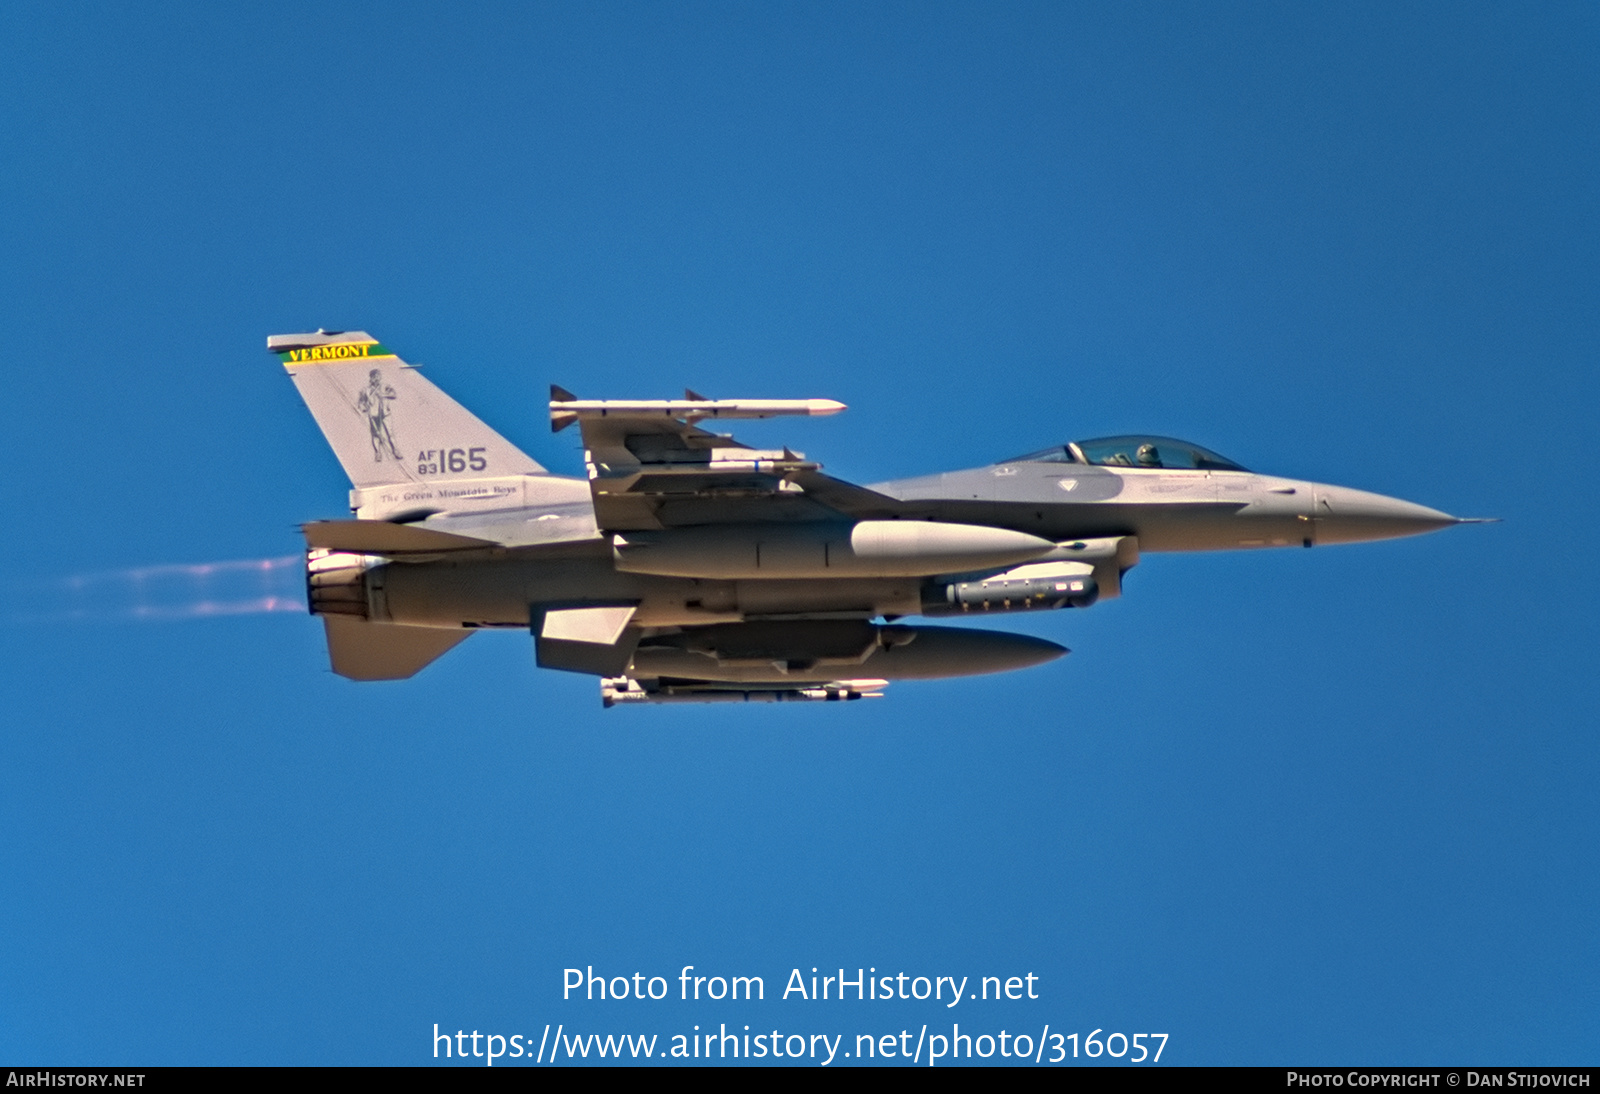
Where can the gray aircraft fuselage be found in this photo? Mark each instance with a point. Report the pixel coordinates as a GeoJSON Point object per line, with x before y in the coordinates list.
{"type": "Point", "coordinates": [687, 566]}
{"type": "Point", "coordinates": [1164, 510]}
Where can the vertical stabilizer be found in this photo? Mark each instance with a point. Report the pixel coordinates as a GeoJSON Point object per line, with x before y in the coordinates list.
{"type": "Point", "coordinates": [387, 423]}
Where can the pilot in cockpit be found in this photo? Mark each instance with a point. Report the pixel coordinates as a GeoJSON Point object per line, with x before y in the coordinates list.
{"type": "Point", "coordinates": [1148, 456]}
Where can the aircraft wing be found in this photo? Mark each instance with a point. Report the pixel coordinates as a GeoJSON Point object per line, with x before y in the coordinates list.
{"type": "Point", "coordinates": [651, 466]}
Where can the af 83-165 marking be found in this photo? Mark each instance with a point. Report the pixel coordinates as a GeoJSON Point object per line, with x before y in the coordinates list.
{"type": "Point", "coordinates": [451, 461]}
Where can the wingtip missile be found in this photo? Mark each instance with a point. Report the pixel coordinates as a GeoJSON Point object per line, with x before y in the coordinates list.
{"type": "Point", "coordinates": [565, 409]}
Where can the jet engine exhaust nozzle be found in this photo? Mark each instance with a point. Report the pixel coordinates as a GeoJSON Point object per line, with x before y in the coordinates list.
{"type": "Point", "coordinates": [336, 583]}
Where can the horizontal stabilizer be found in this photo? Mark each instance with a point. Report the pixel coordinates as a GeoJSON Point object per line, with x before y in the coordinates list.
{"type": "Point", "coordinates": [384, 651]}
{"type": "Point", "coordinates": [379, 537]}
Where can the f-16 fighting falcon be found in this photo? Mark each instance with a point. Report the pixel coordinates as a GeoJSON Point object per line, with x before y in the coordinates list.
{"type": "Point", "coordinates": [688, 567]}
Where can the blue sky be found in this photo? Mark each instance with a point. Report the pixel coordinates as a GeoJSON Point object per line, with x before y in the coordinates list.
{"type": "Point", "coordinates": [1291, 807]}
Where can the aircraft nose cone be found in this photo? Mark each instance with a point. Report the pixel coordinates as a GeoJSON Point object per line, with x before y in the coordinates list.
{"type": "Point", "coordinates": [1351, 516]}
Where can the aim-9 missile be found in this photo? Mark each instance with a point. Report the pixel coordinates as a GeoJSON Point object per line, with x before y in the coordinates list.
{"type": "Point", "coordinates": [566, 408]}
{"type": "Point", "coordinates": [622, 689]}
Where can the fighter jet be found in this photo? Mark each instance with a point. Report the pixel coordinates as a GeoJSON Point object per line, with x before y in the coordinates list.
{"type": "Point", "coordinates": [688, 567]}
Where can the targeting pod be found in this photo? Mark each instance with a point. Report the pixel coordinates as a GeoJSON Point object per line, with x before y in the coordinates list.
{"type": "Point", "coordinates": [1043, 586]}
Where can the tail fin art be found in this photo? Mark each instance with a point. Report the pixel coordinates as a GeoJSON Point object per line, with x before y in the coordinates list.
{"type": "Point", "coordinates": [410, 451]}
{"type": "Point", "coordinates": [388, 425]}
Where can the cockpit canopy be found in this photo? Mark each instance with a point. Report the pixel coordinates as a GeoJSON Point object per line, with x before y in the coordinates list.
{"type": "Point", "coordinates": [1134, 451]}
